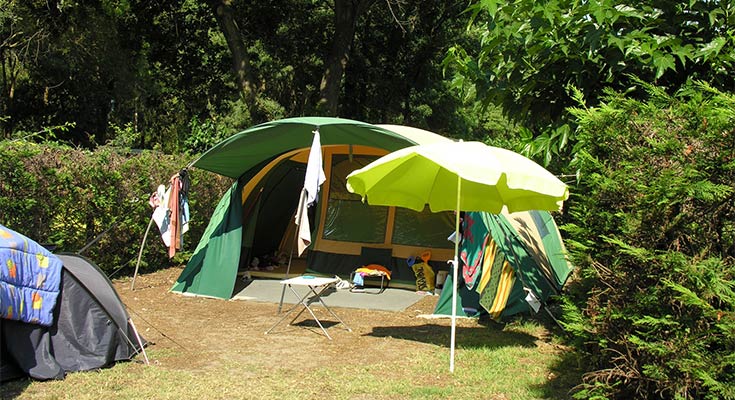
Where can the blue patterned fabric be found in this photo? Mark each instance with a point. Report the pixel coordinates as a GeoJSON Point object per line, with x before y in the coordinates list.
{"type": "Point", "coordinates": [30, 278]}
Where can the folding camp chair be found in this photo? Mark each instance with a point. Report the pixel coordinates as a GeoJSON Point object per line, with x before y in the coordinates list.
{"type": "Point", "coordinates": [370, 260]}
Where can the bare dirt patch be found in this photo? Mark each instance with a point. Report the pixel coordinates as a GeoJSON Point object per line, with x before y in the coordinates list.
{"type": "Point", "coordinates": [202, 333]}
{"type": "Point", "coordinates": [211, 348]}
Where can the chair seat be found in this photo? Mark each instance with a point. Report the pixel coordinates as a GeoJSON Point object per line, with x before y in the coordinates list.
{"type": "Point", "coordinates": [375, 263]}
{"type": "Point", "coordinates": [370, 275]}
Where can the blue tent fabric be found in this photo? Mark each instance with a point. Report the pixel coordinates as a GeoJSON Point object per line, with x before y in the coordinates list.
{"type": "Point", "coordinates": [30, 278]}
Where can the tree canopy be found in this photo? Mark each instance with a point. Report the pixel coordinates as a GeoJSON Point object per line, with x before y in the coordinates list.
{"type": "Point", "coordinates": [181, 74]}
{"type": "Point", "coordinates": [531, 52]}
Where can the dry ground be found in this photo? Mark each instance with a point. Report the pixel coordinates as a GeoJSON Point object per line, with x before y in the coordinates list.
{"type": "Point", "coordinates": [197, 329]}
{"type": "Point", "coordinates": [193, 337]}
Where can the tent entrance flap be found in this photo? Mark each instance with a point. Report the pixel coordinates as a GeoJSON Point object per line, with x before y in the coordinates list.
{"type": "Point", "coordinates": [212, 269]}
{"type": "Point", "coordinates": [277, 204]}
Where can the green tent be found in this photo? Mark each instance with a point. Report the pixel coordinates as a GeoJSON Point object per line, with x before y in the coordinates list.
{"type": "Point", "coordinates": [255, 216]}
{"type": "Point", "coordinates": [512, 255]}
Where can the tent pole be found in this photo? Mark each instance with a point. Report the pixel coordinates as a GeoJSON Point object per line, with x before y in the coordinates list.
{"type": "Point", "coordinates": [455, 267]}
{"type": "Point", "coordinates": [553, 317]}
{"type": "Point", "coordinates": [290, 253]}
{"type": "Point", "coordinates": [140, 342]}
{"type": "Point", "coordinates": [140, 253]}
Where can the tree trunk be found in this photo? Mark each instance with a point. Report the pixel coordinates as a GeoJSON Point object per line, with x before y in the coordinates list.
{"type": "Point", "coordinates": [6, 96]}
{"type": "Point", "coordinates": [240, 59]}
{"type": "Point", "coordinates": [346, 13]}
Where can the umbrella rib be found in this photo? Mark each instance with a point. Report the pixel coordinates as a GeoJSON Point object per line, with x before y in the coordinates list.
{"type": "Point", "coordinates": [434, 185]}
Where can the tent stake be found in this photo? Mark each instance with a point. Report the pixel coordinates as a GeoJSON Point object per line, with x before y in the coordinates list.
{"type": "Point", "coordinates": [140, 253]}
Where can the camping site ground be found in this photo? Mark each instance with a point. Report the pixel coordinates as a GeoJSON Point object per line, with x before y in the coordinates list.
{"type": "Point", "coordinates": [215, 349]}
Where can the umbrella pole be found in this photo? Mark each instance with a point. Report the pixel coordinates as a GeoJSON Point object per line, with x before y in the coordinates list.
{"type": "Point", "coordinates": [455, 267]}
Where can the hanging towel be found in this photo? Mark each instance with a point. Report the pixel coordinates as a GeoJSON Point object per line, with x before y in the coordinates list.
{"type": "Point", "coordinates": [174, 205]}
{"type": "Point", "coordinates": [500, 281]}
{"type": "Point", "coordinates": [171, 211]}
{"type": "Point", "coordinates": [312, 181]}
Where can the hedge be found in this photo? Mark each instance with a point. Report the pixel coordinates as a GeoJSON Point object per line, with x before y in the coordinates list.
{"type": "Point", "coordinates": [97, 201]}
{"type": "Point", "coordinates": [653, 238]}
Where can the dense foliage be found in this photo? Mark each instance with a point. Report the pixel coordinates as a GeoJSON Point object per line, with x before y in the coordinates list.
{"type": "Point", "coordinates": [95, 201]}
{"type": "Point", "coordinates": [653, 237]}
{"type": "Point", "coordinates": [531, 51]}
{"type": "Point", "coordinates": [531, 56]}
{"type": "Point", "coordinates": [154, 74]}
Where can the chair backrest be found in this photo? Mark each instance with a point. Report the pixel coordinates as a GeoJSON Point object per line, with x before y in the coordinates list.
{"type": "Point", "coordinates": [374, 255]}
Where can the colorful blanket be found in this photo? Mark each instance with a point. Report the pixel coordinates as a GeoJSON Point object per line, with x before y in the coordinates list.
{"type": "Point", "coordinates": [30, 278]}
{"type": "Point", "coordinates": [374, 270]}
{"type": "Point", "coordinates": [496, 282]}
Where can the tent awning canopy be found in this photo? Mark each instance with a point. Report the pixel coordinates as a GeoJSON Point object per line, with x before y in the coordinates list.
{"type": "Point", "coordinates": [239, 153]}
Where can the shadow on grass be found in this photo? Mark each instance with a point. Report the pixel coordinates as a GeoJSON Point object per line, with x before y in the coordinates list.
{"type": "Point", "coordinates": [305, 322]}
{"type": "Point", "coordinates": [564, 376]}
{"type": "Point", "coordinates": [14, 388]}
{"type": "Point", "coordinates": [310, 323]}
{"type": "Point", "coordinates": [468, 337]}
{"type": "Point", "coordinates": [566, 373]}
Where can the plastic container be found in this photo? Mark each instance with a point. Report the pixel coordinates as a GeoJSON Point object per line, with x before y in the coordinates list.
{"type": "Point", "coordinates": [441, 277]}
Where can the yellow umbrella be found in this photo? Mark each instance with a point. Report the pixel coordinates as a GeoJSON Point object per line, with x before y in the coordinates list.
{"type": "Point", "coordinates": [460, 176]}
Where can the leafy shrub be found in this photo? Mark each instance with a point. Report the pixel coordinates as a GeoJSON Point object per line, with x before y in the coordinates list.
{"type": "Point", "coordinates": [653, 306]}
{"type": "Point", "coordinates": [96, 201]}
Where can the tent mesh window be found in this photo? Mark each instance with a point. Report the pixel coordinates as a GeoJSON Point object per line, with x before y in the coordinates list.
{"type": "Point", "coordinates": [348, 218]}
{"type": "Point", "coordinates": [423, 229]}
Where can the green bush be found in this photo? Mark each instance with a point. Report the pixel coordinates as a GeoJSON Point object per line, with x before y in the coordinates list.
{"type": "Point", "coordinates": [653, 303]}
{"type": "Point", "coordinates": [69, 197]}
